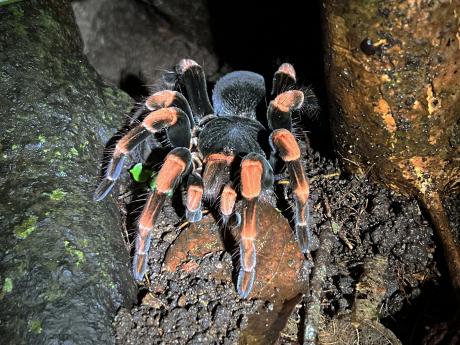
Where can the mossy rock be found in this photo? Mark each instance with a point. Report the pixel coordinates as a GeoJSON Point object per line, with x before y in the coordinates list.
{"type": "Point", "coordinates": [64, 266]}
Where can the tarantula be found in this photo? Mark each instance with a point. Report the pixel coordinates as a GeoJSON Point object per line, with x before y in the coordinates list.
{"type": "Point", "coordinates": [220, 150]}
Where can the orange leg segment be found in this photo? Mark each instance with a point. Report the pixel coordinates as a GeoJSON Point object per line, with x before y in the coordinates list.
{"type": "Point", "coordinates": [176, 164]}
{"type": "Point", "coordinates": [178, 129]}
{"type": "Point", "coordinates": [195, 190]}
{"type": "Point", "coordinates": [253, 173]}
{"type": "Point", "coordinates": [215, 172]}
{"type": "Point", "coordinates": [285, 144]}
{"type": "Point", "coordinates": [227, 202]}
{"type": "Point", "coordinates": [280, 110]}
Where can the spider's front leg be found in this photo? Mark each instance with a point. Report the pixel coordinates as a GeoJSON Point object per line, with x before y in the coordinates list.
{"type": "Point", "coordinates": [177, 125]}
{"type": "Point", "coordinates": [176, 164]}
{"type": "Point", "coordinates": [256, 175]}
{"type": "Point", "coordinates": [195, 189]}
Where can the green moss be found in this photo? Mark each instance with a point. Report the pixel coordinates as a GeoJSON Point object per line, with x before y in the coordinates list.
{"type": "Point", "coordinates": [335, 228]}
{"type": "Point", "coordinates": [35, 326]}
{"type": "Point", "coordinates": [78, 254]}
{"type": "Point", "coordinates": [41, 139]}
{"type": "Point", "coordinates": [48, 21]}
{"type": "Point", "coordinates": [19, 29]}
{"type": "Point", "coordinates": [73, 151]}
{"type": "Point", "coordinates": [57, 194]}
{"type": "Point", "coordinates": [27, 227]}
{"type": "Point", "coordinates": [54, 292]}
{"type": "Point", "coordinates": [17, 12]}
{"type": "Point", "coordinates": [7, 286]}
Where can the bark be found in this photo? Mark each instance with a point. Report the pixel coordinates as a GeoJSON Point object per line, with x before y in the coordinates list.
{"type": "Point", "coordinates": [64, 269]}
{"type": "Point", "coordinates": [394, 87]}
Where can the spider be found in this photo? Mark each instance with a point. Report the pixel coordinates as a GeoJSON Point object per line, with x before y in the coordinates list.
{"type": "Point", "coordinates": [221, 153]}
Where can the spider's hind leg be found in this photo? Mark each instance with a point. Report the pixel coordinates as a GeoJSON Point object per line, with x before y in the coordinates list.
{"type": "Point", "coordinates": [238, 93]}
{"type": "Point", "coordinates": [284, 142]}
{"type": "Point", "coordinates": [287, 102]}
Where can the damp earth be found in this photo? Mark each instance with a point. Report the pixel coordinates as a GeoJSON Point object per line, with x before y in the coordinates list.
{"type": "Point", "coordinates": [193, 300]}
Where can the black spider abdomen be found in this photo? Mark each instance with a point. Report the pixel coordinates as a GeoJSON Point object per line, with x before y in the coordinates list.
{"type": "Point", "coordinates": [233, 135]}
{"type": "Point", "coordinates": [238, 93]}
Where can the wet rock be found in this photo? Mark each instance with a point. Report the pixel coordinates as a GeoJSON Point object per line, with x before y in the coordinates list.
{"type": "Point", "coordinates": [129, 39]}
{"type": "Point", "coordinates": [189, 18]}
{"type": "Point", "coordinates": [64, 266]}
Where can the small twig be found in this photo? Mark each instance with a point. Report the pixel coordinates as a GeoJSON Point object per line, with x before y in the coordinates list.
{"type": "Point", "coordinates": [433, 204]}
{"type": "Point", "coordinates": [313, 303]}
{"type": "Point", "coordinates": [358, 219]}
{"type": "Point", "coordinates": [325, 176]}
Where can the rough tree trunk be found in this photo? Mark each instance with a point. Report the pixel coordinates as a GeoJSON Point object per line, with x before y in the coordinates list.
{"type": "Point", "coordinates": [63, 264]}
{"type": "Point", "coordinates": [393, 72]}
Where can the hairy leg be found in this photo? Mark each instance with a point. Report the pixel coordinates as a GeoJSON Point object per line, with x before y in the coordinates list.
{"type": "Point", "coordinates": [173, 119]}
{"type": "Point", "coordinates": [176, 164]}
{"type": "Point", "coordinates": [256, 175]}
{"type": "Point", "coordinates": [284, 142]}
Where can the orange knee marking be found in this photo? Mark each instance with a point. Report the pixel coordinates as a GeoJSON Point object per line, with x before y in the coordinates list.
{"type": "Point", "coordinates": [288, 69]}
{"type": "Point", "coordinates": [285, 142]}
{"type": "Point", "coordinates": [166, 115]}
{"type": "Point", "coordinates": [161, 99]}
{"type": "Point", "coordinates": [122, 145]}
{"type": "Point", "coordinates": [172, 168]}
{"type": "Point", "coordinates": [288, 101]}
{"type": "Point", "coordinates": [121, 148]}
{"type": "Point", "coordinates": [194, 194]}
{"type": "Point", "coordinates": [251, 177]}
{"type": "Point", "coordinates": [219, 157]}
{"type": "Point", "coordinates": [215, 163]}
{"type": "Point", "coordinates": [227, 200]}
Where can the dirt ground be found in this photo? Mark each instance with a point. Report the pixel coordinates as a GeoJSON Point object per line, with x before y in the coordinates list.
{"type": "Point", "coordinates": [195, 305]}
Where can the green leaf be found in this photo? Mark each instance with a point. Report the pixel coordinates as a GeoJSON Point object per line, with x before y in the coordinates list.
{"type": "Point", "coordinates": [139, 173]}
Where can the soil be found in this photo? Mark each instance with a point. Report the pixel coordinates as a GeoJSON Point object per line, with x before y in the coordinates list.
{"type": "Point", "coordinates": [194, 307]}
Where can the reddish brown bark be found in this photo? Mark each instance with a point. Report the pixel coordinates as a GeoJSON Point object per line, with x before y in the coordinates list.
{"type": "Point", "coordinates": [394, 85]}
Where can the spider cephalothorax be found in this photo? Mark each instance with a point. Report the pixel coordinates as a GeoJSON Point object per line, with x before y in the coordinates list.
{"type": "Point", "coordinates": [223, 152]}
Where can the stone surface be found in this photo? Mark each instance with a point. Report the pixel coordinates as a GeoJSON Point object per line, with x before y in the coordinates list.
{"type": "Point", "coordinates": [63, 265]}
{"type": "Point", "coordinates": [129, 38]}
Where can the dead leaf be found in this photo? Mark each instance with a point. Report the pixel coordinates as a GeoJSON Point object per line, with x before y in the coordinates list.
{"type": "Point", "coordinates": [278, 271]}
